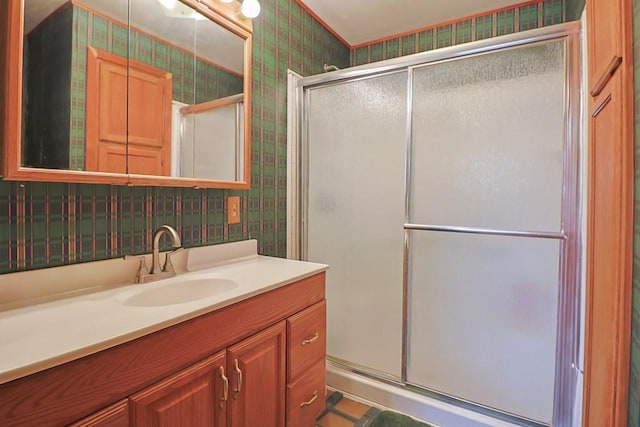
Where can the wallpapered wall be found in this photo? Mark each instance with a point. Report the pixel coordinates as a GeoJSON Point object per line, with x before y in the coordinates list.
{"type": "Point", "coordinates": [49, 224]}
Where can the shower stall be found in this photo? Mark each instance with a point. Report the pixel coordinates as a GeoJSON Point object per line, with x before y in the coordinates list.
{"type": "Point", "coordinates": [443, 190]}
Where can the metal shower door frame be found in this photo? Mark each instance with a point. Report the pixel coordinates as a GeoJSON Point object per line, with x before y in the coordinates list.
{"type": "Point", "coordinates": [568, 332]}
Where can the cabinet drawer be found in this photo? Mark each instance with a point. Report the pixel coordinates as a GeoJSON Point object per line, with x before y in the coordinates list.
{"type": "Point", "coordinates": [116, 415]}
{"type": "Point", "coordinates": [306, 333]}
{"type": "Point", "coordinates": [306, 397]}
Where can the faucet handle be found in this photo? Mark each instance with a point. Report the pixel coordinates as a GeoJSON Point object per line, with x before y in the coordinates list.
{"type": "Point", "coordinates": [168, 265]}
{"type": "Point", "coordinates": [143, 270]}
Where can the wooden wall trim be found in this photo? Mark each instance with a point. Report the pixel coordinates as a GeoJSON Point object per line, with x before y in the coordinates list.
{"type": "Point", "coordinates": [450, 22]}
{"type": "Point", "coordinates": [210, 105]}
{"type": "Point", "coordinates": [4, 62]}
{"type": "Point", "coordinates": [621, 379]}
{"type": "Point", "coordinates": [12, 86]}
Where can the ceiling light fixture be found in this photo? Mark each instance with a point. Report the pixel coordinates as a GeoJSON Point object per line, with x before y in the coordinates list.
{"type": "Point", "coordinates": [250, 8]}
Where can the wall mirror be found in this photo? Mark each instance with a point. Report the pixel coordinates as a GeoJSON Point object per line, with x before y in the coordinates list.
{"type": "Point", "coordinates": [141, 92]}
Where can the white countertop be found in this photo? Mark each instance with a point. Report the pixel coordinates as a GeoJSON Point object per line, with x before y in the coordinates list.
{"type": "Point", "coordinates": [40, 336]}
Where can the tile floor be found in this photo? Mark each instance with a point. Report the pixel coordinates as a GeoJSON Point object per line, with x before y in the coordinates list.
{"type": "Point", "coordinates": [346, 413]}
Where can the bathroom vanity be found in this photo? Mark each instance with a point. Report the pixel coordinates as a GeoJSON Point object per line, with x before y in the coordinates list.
{"type": "Point", "coordinates": [252, 354]}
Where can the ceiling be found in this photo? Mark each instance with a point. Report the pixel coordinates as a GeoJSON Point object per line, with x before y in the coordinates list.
{"type": "Point", "coordinates": [360, 21]}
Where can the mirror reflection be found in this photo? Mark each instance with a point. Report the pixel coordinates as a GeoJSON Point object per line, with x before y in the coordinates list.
{"type": "Point", "coordinates": [140, 86]}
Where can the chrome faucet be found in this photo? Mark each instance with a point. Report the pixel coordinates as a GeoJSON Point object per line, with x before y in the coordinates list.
{"type": "Point", "coordinates": [155, 260]}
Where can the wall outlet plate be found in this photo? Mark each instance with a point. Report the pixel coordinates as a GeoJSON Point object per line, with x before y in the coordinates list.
{"type": "Point", "coordinates": [233, 210]}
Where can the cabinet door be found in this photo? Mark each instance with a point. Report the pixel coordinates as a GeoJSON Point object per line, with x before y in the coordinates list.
{"type": "Point", "coordinates": [608, 261]}
{"type": "Point", "coordinates": [605, 41]}
{"type": "Point", "coordinates": [193, 397]}
{"type": "Point", "coordinates": [257, 377]}
{"type": "Point", "coordinates": [116, 415]}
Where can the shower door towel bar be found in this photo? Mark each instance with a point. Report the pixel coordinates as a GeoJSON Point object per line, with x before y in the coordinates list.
{"type": "Point", "coordinates": [489, 231]}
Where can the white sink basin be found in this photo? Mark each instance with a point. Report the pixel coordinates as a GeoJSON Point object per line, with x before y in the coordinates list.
{"type": "Point", "coordinates": [180, 291]}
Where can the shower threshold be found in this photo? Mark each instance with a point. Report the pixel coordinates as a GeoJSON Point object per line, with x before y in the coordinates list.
{"type": "Point", "coordinates": [411, 402]}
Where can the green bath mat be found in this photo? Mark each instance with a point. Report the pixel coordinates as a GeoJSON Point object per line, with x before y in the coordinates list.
{"type": "Point", "coordinates": [393, 419]}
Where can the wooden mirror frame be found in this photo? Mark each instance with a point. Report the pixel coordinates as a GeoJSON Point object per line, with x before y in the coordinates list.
{"type": "Point", "coordinates": [12, 13]}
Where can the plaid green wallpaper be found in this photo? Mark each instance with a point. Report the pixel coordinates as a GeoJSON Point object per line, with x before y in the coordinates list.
{"type": "Point", "coordinates": [634, 380]}
{"type": "Point", "coordinates": [574, 9]}
{"type": "Point", "coordinates": [498, 23]}
{"type": "Point", "coordinates": [50, 224]}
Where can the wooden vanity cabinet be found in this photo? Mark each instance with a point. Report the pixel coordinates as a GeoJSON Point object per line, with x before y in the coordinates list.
{"type": "Point", "coordinates": [306, 369]}
{"type": "Point", "coordinates": [116, 415]}
{"type": "Point", "coordinates": [243, 385]}
{"type": "Point", "coordinates": [232, 367]}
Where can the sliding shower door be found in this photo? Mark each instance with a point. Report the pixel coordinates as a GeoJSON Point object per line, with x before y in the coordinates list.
{"type": "Point", "coordinates": [355, 215]}
{"type": "Point", "coordinates": [485, 227]}
{"type": "Point", "coordinates": [443, 191]}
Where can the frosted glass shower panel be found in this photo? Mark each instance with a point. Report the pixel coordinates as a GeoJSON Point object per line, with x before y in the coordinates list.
{"type": "Point", "coordinates": [483, 312]}
{"type": "Point", "coordinates": [488, 140]}
{"type": "Point", "coordinates": [211, 147]}
{"type": "Point", "coordinates": [356, 210]}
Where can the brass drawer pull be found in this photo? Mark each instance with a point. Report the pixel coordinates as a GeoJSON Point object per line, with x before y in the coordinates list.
{"type": "Point", "coordinates": [310, 340]}
{"type": "Point", "coordinates": [239, 383]}
{"type": "Point", "coordinates": [310, 401]}
{"type": "Point", "coordinates": [225, 388]}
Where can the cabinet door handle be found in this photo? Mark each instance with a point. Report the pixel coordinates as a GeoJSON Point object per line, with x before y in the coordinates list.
{"type": "Point", "coordinates": [310, 401]}
{"type": "Point", "coordinates": [616, 61]}
{"type": "Point", "coordinates": [225, 387]}
{"type": "Point", "coordinates": [239, 372]}
{"type": "Point", "coordinates": [310, 340]}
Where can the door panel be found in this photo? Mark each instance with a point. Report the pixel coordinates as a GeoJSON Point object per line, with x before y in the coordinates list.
{"type": "Point", "coordinates": [257, 379]}
{"type": "Point", "coordinates": [143, 139]}
{"type": "Point", "coordinates": [608, 271]}
{"type": "Point", "coordinates": [106, 116]}
{"type": "Point", "coordinates": [356, 212]}
{"type": "Point", "coordinates": [488, 140]}
{"type": "Point", "coordinates": [149, 143]}
{"type": "Point", "coordinates": [191, 398]}
{"type": "Point", "coordinates": [483, 319]}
